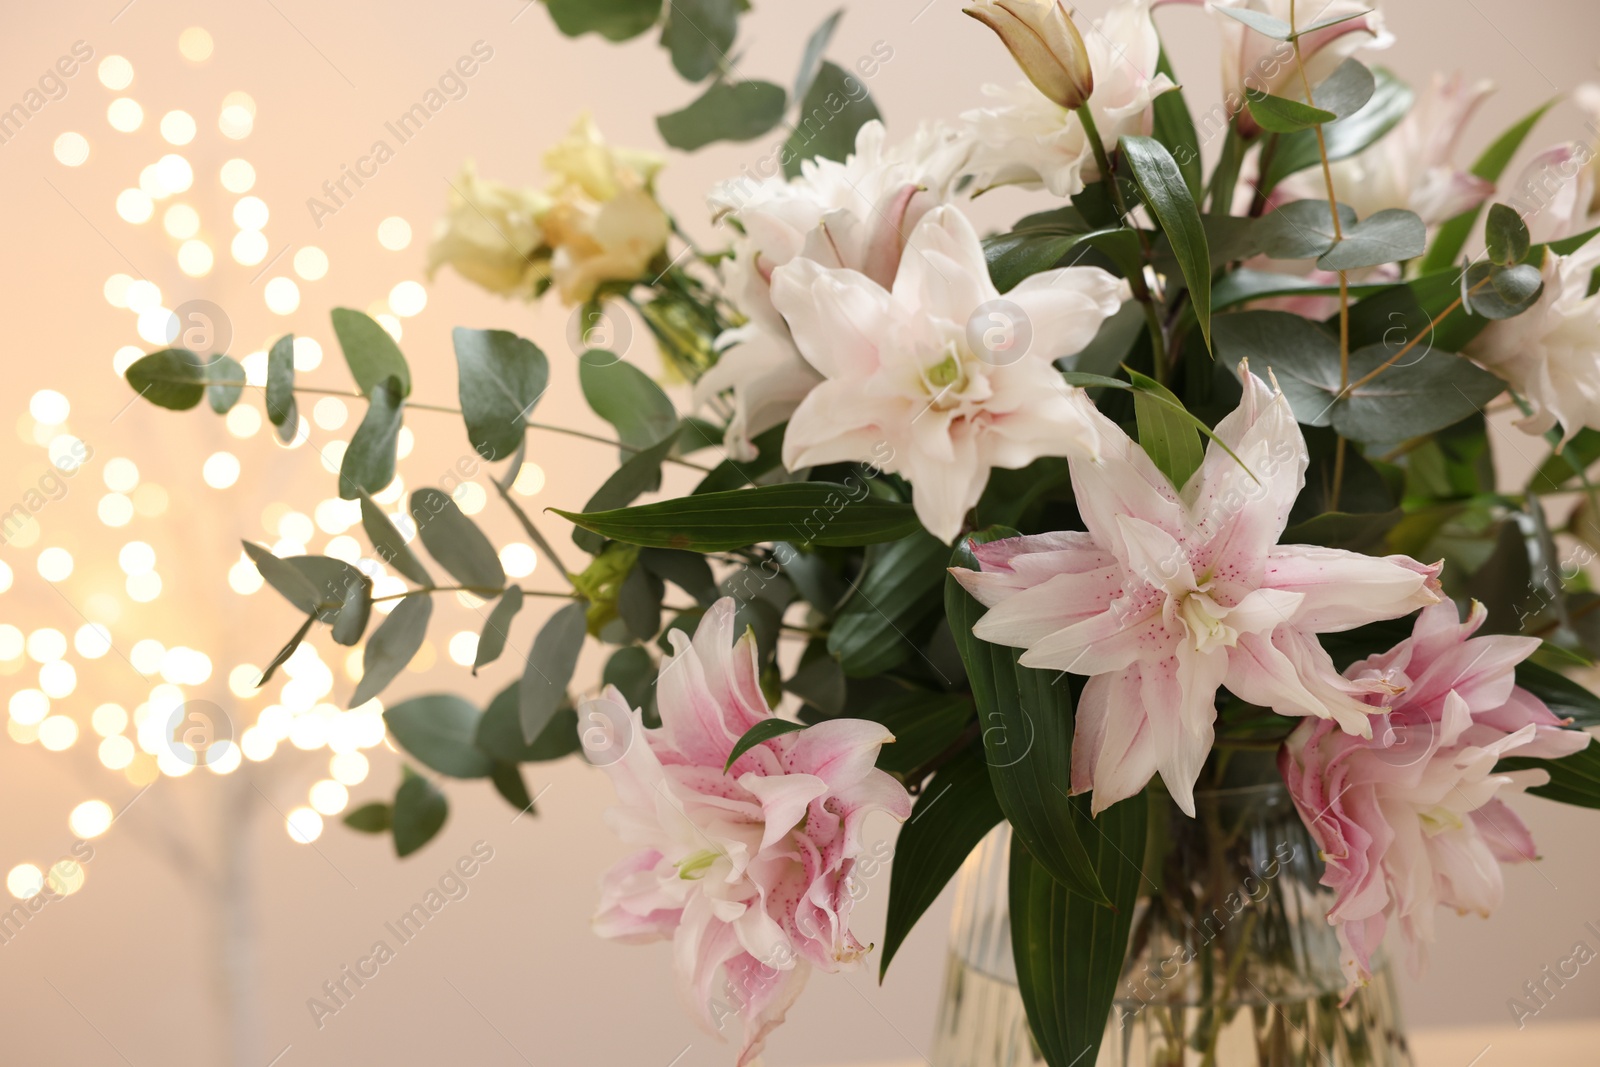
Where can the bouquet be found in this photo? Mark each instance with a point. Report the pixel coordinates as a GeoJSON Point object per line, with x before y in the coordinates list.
{"type": "Point", "coordinates": [1183, 482]}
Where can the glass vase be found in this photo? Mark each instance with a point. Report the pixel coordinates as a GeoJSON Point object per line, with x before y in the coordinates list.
{"type": "Point", "coordinates": [1231, 963]}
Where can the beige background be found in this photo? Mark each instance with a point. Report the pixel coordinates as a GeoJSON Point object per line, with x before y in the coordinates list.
{"type": "Point", "coordinates": [127, 970]}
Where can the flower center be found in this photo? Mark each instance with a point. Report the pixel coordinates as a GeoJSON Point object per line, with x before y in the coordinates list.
{"type": "Point", "coordinates": [691, 868]}
{"type": "Point", "coordinates": [1204, 619]}
{"type": "Point", "coordinates": [948, 381]}
{"type": "Point", "coordinates": [1438, 819]}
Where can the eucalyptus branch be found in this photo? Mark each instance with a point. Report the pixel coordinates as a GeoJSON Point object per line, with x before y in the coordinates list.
{"type": "Point", "coordinates": [532, 531]}
{"type": "Point", "coordinates": [477, 591]}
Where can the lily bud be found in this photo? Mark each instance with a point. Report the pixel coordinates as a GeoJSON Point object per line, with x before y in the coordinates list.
{"type": "Point", "coordinates": [1045, 44]}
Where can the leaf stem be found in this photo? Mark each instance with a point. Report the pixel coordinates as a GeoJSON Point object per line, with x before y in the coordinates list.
{"type": "Point", "coordinates": [428, 590]}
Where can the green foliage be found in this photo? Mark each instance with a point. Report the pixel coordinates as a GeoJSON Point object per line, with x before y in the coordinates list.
{"type": "Point", "coordinates": [727, 111]}
{"type": "Point", "coordinates": [173, 378]}
{"type": "Point", "coordinates": [1295, 152]}
{"type": "Point", "coordinates": [368, 464]}
{"type": "Point", "coordinates": [554, 657]}
{"type": "Point", "coordinates": [420, 811]}
{"type": "Point", "coordinates": [835, 106]}
{"type": "Point", "coordinates": [698, 35]}
{"type": "Point", "coordinates": [497, 628]}
{"type": "Point", "coordinates": [392, 645]}
{"type": "Point", "coordinates": [615, 20]}
{"type": "Point", "coordinates": [440, 731]}
{"type": "Point", "coordinates": [501, 376]}
{"type": "Point", "coordinates": [761, 732]}
{"type": "Point", "coordinates": [370, 352]}
{"type": "Point", "coordinates": [281, 410]}
{"type": "Point", "coordinates": [1166, 430]}
{"type": "Point", "coordinates": [1162, 188]}
{"type": "Point", "coordinates": [455, 541]}
{"type": "Point", "coordinates": [902, 582]}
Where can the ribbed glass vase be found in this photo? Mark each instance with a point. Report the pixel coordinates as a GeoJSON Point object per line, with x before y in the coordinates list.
{"type": "Point", "coordinates": [1231, 962]}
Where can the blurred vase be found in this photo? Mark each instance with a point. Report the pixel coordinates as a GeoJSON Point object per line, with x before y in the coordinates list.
{"type": "Point", "coordinates": [1232, 962]}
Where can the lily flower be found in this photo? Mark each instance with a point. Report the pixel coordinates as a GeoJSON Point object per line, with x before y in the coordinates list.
{"type": "Point", "coordinates": [1412, 818]}
{"type": "Point", "coordinates": [1168, 595]}
{"type": "Point", "coordinates": [952, 378]}
{"type": "Point", "coordinates": [747, 871]}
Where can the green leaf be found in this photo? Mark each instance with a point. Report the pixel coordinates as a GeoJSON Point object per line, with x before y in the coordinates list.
{"type": "Point", "coordinates": [1346, 90]}
{"type": "Point", "coordinates": [736, 474]}
{"type": "Point", "coordinates": [633, 672]}
{"type": "Point", "coordinates": [686, 570]}
{"type": "Point", "coordinates": [625, 397]}
{"type": "Point", "coordinates": [1392, 235]}
{"type": "Point", "coordinates": [1173, 125]}
{"type": "Point", "coordinates": [507, 779]}
{"type": "Point", "coordinates": [1566, 698]}
{"type": "Point", "coordinates": [698, 35]}
{"type": "Point", "coordinates": [1162, 188]}
{"type": "Point", "coordinates": [500, 732]}
{"type": "Point", "coordinates": [501, 377]}
{"type": "Point", "coordinates": [835, 107]}
{"type": "Point", "coordinates": [765, 730]}
{"type": "Point", "coordinates": [554, 657]}
{"type": "Point", "coordinates": [1452, 235]}
{"type": "Point", "coordinates": [954, 812]}
{"type": "Point", "coordinates": [615, 20]}
{"type": "Point", "coordinates": [1508, 293]}
{"type": "Point", "coordinates": [1506, 235]}
{"type": "Point", "coordinates": [497, 628]}
{"type": "Point", "coordinates": [639, 602]}
{"type": "Point", "coordinates": [1166, 430]}
{"type": "Point", "coordinates": [819, 513]}
{"type": "Point", "coordinates": [1259, 21]}
{"type": "Point", "coordinates": [439, 730]}
{"type": "Point", "coordinates": [392, 646]}
{"type": "Point", "coordinates": [173, 378]}
{"type": "Point", "coordinates": [1337, 529]}
{"type": "Point", "coordinates": [901, 583]}
{"type": "Point", "coordinates": [389, 545]}
{"type": "Point", "coordinates": [641, 473]}
{"type": "Point", "coordinates": [455, 541]}
{"type": "Point", "coordinates": [374, 818]}
{"type": "Point", "coordinates": [1347, 137]}
{"type": "Point", "coordinates": [924, 724]}
{"type": "Point", "coordinates": [351, 622]}
{"type": "Point", "coordinates": [1277, 114]}
{"type": "Point", "coordinates": [1022, 254]}
{"type": "Point", "coordinates": [370, 352]}
{"type": "Point", "coordinates": [224, 383]}
{"type": "Point", "coordinates": [727, 111]}
{"type": "Point", "coordinates": [290, 581]}
{"type": "Point", "coordinates": [281, 410]}
{"type": "Point", "coordinates": [811, 58]}
{"type": "Point", "coordinates": [286, 651]}
{"type": "Point", "coordinates": [1424, 392]}
{"type": "Point", "coordinates": [1301, 229]}
{"type": "Point", "coordinates": [1069, 953]}
{"type": "Point", "coordinates": [1574, 779]}
{"type": "Point", "coordinates": [368, 465]}
{"type": "Point", "coordinates": [1027, 737]}
{"type": "Point", "coordinates": [420, 811]}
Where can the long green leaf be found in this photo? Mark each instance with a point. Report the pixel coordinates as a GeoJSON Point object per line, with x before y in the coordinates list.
{"type": "Point", "coordinates": [1561, 694]}
{"type": "Point", "coordinates": [455, 541]}
{"type": "Point", "coordinates": [1574, 779]}
{"type": "Point", "coordinates": [761, 732]}
{"type": "Point", "coordinates": [497, 628]}
{"type": "Point", "coordinates": [392, 646]}
{"type": "Point", "coordinates": [1069, 952]}
{"type": "Point", "coordinates": [1173, 125]}
{"type": "Point", "coordinates": [819, 513]}
{"type": "Point", "coordinates": [901, 584]}
{"type": "Point", "coordinates": [954, 812]}
{"type": "Point", "coordinates": [550, 665]}
{"type": "Point", "coordinates": [1166, 430]}
{"type": "Point", "coordinates": [368, 464]}
{"type": "Point", "coordinates": [1027, 724]}
{"type": "Point", "coordinates": [1162, 187]}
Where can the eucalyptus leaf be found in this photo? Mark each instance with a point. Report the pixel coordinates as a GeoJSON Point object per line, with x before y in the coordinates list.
{"type": "Point", "coordinates": [501, 378]}
{"type": "Point", "coordinates": [554, 657]}
{"type": "Point", "coordinates": [1346, 90]}
{"type": "Point", "coordinates": [1301, 229]}
{"type": "Point", "coordinates": [369, 351]}
{"type": "Point", "coordinates": [374, 818]}
{"type": "Point", "coordinates": [456, 542]}
{"type": "Point", "coordinates": [640, 473]}
{"type": "Point", "coordinates": [224, 383]}
{"type": "Point", "coordinates": [1506, 235]}
{"type": "Point", "coordinates": [1392, 235]}
{"type": "Point", "coordinates": [1277, 114]}
{"type": "Point", "coordinates": [420, 811]}
{"type": "Point", "coordinates": [173, 378]}
{"type": "Point", "coordinates": [392, 645]}
{"type": "Point", "coordinates": [625, 397]}
{"type": "Point", "coordinates": [351, 622]}
{"type": "Point", "coordinates": [507, 779]}
{"type": "Point", "coordinates": [834, 108]}
{"type": "Point", "coordinates": [390, 546]}
{"type": "Point", "coordinates": [1390, 102]}
{"type": "Point", "coordinates": [639, 603]}
{"type": "Point", "coordinates": [698, 35]}
{"type": "Point", "coordinates": [286, 651]}
{"type": "Point", "coordinates": [1452, 235]}
{"type": "Point", "coordinates": [727, 111]}
{"type": "Point", "coordinates": [497, 628]}
{"type": "Point", "coordinates": [500, 732]}
{"type": "Point", "coordinates": [688, 571]}
{"type": "Point", "coordinates": [811, 58]}
{"type": "Point", "coordinates": [281, 410]}
{"type": "Point", "coordinates": [1259, 21]}
{"type": "Point", "coordinates": [369, 461]}
{"type": "Point", "coordinates": [439, 730]}
{"type": "Point", "coordinates": [615, 20]}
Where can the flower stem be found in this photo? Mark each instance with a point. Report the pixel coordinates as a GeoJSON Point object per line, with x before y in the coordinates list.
{"type": "Point", "coordinates": [428, 590]}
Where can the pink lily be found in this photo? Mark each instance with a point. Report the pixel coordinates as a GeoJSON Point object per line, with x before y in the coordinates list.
{"type": "Point", "coordinates": [1411, 818]}
{"type": "Point", "coordinates": [1168, 595]}
{"type": "Point", "coordinates": [748, 871]}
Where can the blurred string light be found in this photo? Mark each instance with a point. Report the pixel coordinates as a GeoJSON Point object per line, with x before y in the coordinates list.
{"type": "Point", "coordinates": [44, 708]}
